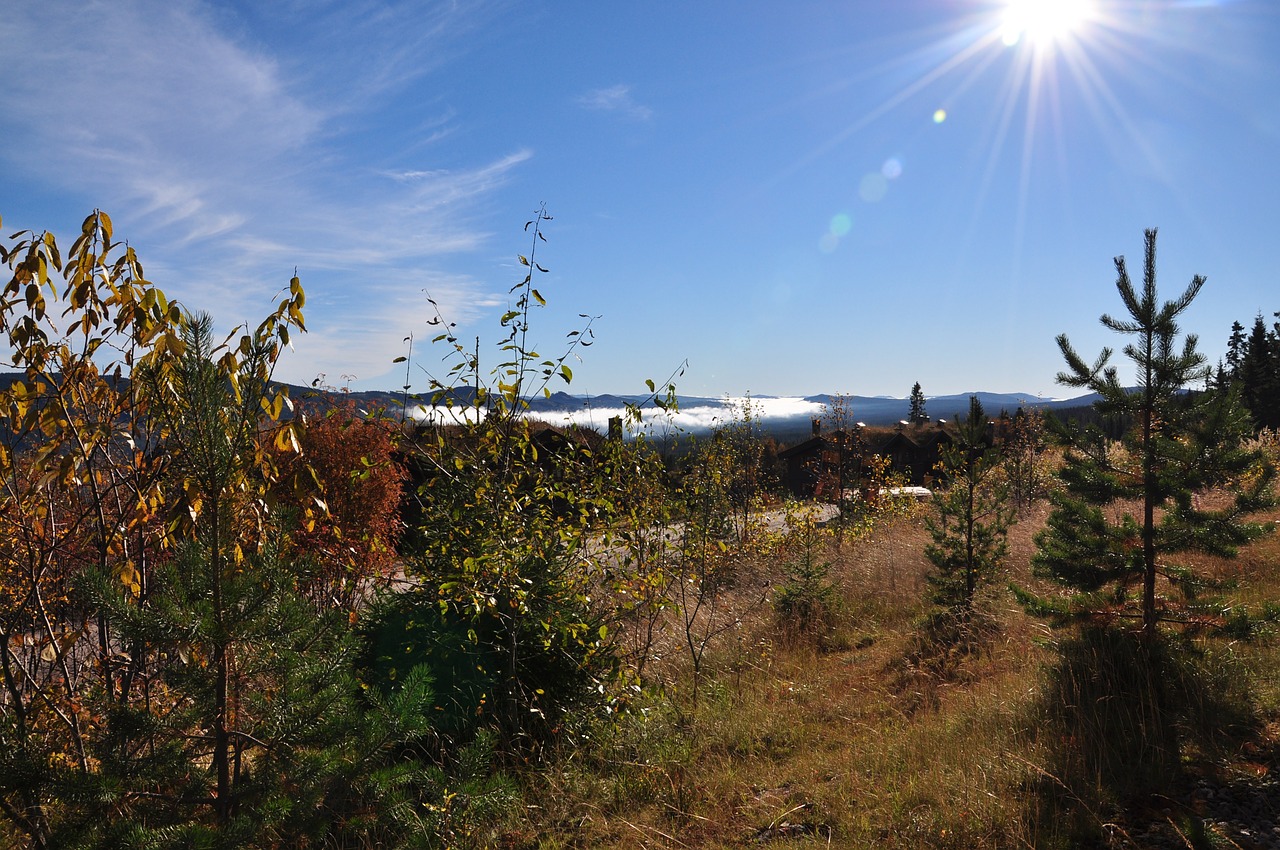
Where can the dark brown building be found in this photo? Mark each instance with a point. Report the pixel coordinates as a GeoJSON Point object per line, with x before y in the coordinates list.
{"type": "Point", "coordinates": [813, 466]}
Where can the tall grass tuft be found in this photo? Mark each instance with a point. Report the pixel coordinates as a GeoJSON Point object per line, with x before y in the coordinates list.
{"type": "Point", "coordinates": [1117, 715]}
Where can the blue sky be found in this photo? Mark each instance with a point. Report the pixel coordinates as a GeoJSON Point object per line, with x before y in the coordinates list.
{"type": "Point", "coordinates": [768, 190]}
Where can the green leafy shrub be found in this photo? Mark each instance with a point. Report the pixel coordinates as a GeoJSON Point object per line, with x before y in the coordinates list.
{"type": "Point", "coordinates": [500, 549]}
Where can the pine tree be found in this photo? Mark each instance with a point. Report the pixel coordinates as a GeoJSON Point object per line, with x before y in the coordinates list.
{"type": "Point", "coordinates": [917, 415]}
{"type": "Point", "coordinates": [1179, 445]}
{"type": "Point", "coordinates": [1235, 348]}
{"type": "Point", "coordinates": [973, 516]}
{"type": "Point", "coordinates": [1259, 374]}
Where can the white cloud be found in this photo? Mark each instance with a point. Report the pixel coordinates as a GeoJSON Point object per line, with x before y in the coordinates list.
{"type": "Point", "coordinates": [616, 99]}
{"type": "Point", "coordinates": [442, 413]}
{"type": "Point", "coordinates": [413, 176]}
{"type": "Point", "coordinates": [163, 108]}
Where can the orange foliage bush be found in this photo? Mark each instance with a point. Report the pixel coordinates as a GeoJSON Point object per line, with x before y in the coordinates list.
{"type": "Point", "coordinates": [353, 543]}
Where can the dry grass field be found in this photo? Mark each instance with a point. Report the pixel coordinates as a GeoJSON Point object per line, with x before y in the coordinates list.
{"type": "Point", "coordinates": [870, 736]}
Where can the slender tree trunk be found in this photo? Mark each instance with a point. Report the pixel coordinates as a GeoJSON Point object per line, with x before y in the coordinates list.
{"type": "Point", "coordinates": [1148, 507]}
{"type": "Point", "coordinates": [221, 738]}
{"type": "Point", "coordinates": [970, 580]}
{"type": "Point", "coordinates": [28, 812]}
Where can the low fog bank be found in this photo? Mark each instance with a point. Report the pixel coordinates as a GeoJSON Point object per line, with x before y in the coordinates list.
{"type": "Point", "coordinates": [785, 417]}
{"type": "Point", "coordinates": [768, 414]}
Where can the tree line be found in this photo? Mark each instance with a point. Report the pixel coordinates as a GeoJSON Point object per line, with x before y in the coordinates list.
{"type": "Point", "coordinates": [1253, 367]}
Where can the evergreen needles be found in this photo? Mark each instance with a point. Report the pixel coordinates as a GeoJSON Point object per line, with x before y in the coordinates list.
{"type": "Point", "coordinates": [1120, 561]}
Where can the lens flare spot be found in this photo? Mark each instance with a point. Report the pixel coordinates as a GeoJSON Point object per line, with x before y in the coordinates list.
{"type": "Point", "coordinates": [873, 187]}
{"type": "Point", "coordinates": [828, 243]}
{"type": "Point", "coordinates": [939, 115]}
{"type": "Point", "coordinates": [841, 224]}
{"type": "Point", "coordinates": [892, 168]}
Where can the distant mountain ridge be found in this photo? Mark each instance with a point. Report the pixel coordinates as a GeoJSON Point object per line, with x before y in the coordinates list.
{"type": "Point", "coordinates": [873, 410]}
{"type": "Point", "coordinates": [878, 410]}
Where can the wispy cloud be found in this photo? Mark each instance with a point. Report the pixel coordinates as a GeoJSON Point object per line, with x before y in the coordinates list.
{"type": "Point", "coordinates": [616, 99]}
{"type": "Point", "coordinates": [412, 176]}
{"type": "Point", "coordinates": [361, 333]}
{"type": "Point", "coordinates": [225, 162]}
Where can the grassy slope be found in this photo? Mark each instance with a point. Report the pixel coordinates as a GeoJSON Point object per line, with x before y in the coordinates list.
{"type": "Point", "coordinates": [853, 745]}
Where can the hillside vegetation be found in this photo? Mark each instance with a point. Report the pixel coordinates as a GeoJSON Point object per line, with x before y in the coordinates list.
{"type": "Point", "coordinates": [229, 618]}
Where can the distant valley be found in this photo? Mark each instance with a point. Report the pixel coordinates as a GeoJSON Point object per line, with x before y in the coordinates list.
{"type": "Point", "coordinates": [787, 418]}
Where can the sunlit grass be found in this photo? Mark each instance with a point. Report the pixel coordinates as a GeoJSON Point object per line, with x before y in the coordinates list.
{"type": "Point", "coordinates": [841, 743]}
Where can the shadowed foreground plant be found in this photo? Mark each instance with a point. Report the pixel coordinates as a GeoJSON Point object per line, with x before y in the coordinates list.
{"type": "Point", "coordinates": [1117, 713]}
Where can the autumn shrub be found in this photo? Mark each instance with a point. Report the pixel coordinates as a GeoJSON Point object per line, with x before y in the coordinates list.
{"type": "Point", "coordinates": [163, 681]}
{"type": "Point", "coordinates": [1025, 466]}
{"type": "Point", "coordinates": [349, 460]}
{"type": "Point", "coordinates": [636, 593]}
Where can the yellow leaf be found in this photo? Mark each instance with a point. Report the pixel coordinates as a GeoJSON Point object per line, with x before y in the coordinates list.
{"type": "Point", "coordinates": [130, 577]}
{"type": "Point", "coordinates": [286, 440]}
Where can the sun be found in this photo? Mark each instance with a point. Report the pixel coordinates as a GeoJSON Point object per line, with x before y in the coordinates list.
{"type": "Point", "coordinates": [1043, 23]}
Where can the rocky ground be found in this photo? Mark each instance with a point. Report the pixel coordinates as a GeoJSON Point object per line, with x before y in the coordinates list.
{"type": "Point", "coordinates": [1240, 812]}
